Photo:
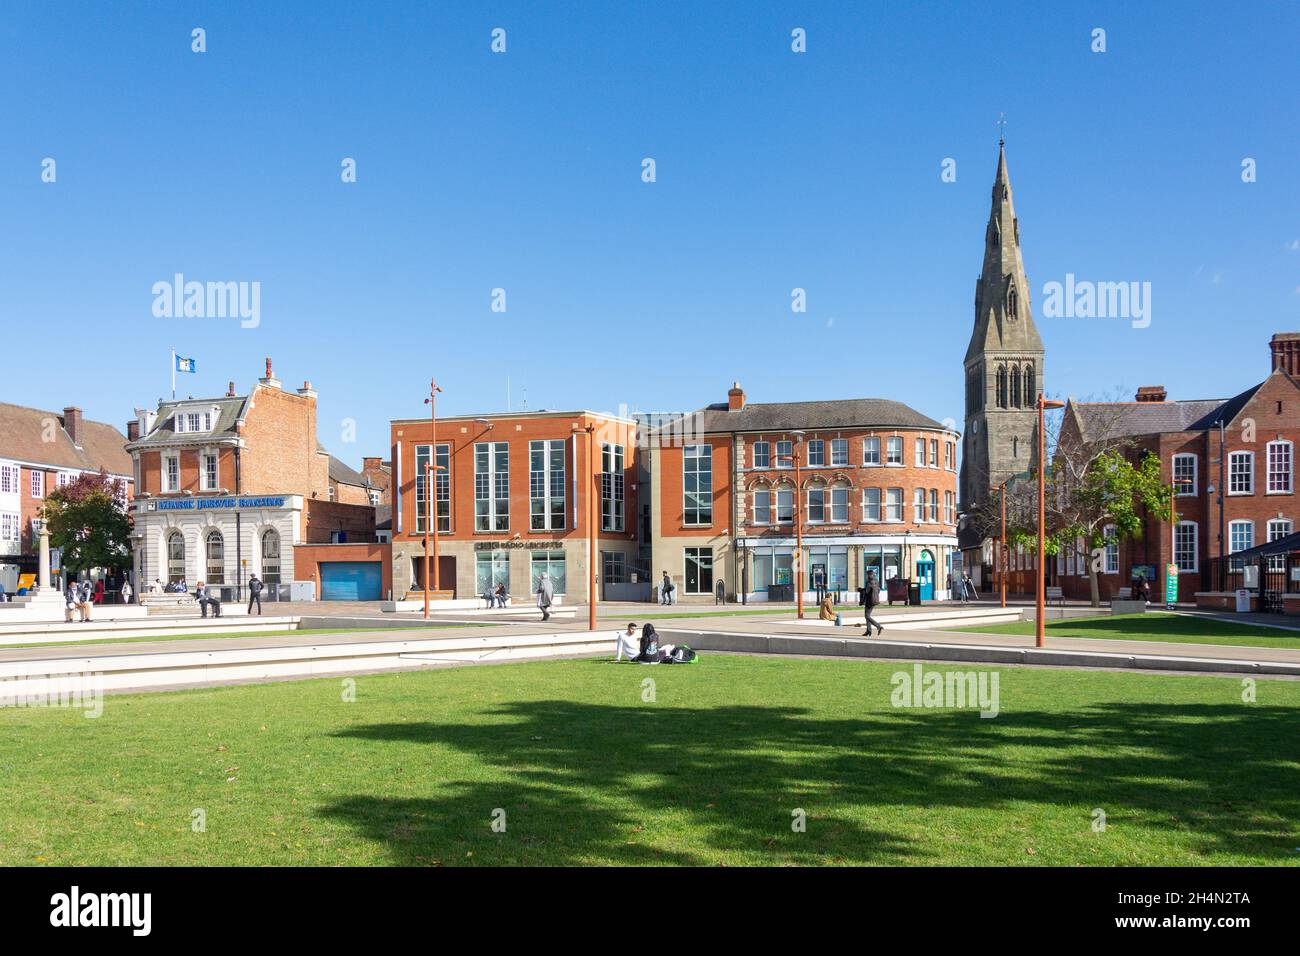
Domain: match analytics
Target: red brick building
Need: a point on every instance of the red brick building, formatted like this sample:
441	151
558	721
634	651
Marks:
39	452
1231	460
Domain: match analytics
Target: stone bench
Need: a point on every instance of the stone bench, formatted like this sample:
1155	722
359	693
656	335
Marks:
1122	606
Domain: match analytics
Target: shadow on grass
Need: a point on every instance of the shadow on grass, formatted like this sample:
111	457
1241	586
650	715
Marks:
1165	626
589	783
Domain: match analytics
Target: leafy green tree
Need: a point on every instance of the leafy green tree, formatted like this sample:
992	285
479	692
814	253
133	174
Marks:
88	524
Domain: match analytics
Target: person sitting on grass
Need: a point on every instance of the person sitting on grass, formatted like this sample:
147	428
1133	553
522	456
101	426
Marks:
626	643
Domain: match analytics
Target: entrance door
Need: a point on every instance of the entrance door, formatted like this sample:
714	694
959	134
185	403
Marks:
350	581
925	575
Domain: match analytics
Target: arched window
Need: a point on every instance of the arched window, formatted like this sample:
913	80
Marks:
1031	393
214	547
1011	302
270	557
175	557
1015	386
1002	386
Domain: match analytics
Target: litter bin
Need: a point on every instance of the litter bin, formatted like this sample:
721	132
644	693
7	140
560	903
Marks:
914	595
780	592
1243	601
896	589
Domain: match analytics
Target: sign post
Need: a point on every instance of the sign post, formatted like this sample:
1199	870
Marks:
1171	586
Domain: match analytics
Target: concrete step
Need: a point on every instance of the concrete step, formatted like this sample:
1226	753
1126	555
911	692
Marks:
156	626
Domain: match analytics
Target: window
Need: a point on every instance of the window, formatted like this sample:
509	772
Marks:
785	454
933	514
611	488
871	451
613	567
894	451
374	496
1015	386
699	571
552	562
1184	475
918	505
934	453
1031	389
66	478
171	474
840	505
214	548
947	455
175	557
920	453
839	451
209	471
37	484
762	507
9	479
1279	468
1278	528
10	527
441	484
1002	386
193	421
894	504
492	486
697	484
1111	557
270	557
784	505
817	504
1241	536
546	485
949	508
870	504
816	452
762	454
1185	546
490	569
1241	473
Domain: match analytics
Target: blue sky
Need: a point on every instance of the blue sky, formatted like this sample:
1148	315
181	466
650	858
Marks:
522	171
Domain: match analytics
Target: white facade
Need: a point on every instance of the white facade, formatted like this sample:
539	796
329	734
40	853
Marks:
229	532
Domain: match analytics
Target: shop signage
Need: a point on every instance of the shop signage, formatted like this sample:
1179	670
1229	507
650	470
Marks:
503	545
223	504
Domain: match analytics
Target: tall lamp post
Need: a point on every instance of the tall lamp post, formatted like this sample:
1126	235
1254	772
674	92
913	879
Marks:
798	518
431	495
592	554
1040	637
1002	544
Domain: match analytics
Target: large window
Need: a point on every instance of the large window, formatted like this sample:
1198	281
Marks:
546	485
840	504
784	505
817	504
1279	467
1111	556
870	504
762	507
9	475
699	570
11	524
785	454
441	484
697	484
871	451
762	454
932	513
611	488
175	557
894	504
490	569
894	451
1241	473
551	562
920	453
835	561
209	471
1185	475
614	567
171	473
214	548
918	505
1241	536
839	451
492	486
949	508
816	452
1185	547
884	561
38	483
270	557
1278	528
934	453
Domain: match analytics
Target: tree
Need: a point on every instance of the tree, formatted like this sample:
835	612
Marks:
88	524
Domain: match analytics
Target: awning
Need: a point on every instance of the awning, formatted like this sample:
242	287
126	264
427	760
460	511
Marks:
1283	545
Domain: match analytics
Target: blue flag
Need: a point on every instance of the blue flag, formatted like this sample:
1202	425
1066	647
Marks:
186	365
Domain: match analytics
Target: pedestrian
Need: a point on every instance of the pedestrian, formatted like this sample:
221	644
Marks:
254	594
666	590
501	595
71	598
870	598
126	591
545	595
959	588
968	586
86	594
626	644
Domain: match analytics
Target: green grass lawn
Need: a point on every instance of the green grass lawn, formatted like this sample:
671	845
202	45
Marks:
708	773
1153	626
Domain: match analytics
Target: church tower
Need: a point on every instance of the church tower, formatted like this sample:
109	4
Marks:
1004	361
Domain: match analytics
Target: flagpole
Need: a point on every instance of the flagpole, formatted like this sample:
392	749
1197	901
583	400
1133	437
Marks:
173	375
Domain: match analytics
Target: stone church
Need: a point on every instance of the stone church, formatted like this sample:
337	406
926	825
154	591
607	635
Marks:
1004	373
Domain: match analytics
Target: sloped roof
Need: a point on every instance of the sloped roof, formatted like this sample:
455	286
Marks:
229	410
343	474
786	416
22	430
1130	419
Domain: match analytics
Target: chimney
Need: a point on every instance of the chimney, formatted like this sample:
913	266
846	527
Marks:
230	390
1151	393
133	430
307	391
370	464
72	424
735	398
1285	348
270	381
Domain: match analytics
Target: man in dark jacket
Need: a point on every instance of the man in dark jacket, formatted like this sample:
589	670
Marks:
870	598
254	593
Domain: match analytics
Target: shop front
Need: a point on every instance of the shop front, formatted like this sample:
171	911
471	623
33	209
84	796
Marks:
840	565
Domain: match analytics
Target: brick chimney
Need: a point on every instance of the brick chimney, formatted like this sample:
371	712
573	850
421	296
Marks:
230	390
133	430
1151	393
735	397
370	464
72	424
269	380
1285	348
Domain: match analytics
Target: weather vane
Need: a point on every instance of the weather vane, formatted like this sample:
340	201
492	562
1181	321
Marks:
1002	128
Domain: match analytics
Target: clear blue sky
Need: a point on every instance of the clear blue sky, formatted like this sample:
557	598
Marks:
522	171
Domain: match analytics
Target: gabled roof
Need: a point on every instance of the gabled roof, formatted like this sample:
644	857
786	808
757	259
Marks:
1131	419
786	416
344	475
230	409
22	434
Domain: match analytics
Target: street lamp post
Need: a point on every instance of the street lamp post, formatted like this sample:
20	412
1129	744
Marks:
1040	636
798	520
1002	544
592	554
430	495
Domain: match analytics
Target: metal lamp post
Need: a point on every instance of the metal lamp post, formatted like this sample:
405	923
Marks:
430	495
1040	637
592	554
797	458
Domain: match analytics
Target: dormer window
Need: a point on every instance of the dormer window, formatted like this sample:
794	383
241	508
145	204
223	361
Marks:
193	421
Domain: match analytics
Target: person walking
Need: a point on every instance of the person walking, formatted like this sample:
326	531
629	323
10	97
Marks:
959	586
126	591
666	590
254	593
870	598
968	586
87	594
545	595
